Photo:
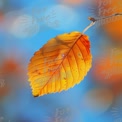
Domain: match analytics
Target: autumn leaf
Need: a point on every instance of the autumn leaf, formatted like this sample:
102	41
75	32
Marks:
60	64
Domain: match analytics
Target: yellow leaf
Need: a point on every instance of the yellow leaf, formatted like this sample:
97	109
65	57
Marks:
60	64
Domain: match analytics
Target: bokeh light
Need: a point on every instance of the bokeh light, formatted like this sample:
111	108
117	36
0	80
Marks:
107	69
71	2
24	26
64	18
97	101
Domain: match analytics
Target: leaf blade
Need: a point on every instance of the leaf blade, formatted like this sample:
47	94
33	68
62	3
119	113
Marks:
75	60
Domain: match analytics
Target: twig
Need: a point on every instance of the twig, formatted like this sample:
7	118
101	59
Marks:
95	20
91	24
117	14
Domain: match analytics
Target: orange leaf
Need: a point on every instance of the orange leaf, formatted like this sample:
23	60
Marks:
60	64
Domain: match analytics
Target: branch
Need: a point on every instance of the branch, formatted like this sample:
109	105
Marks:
95	20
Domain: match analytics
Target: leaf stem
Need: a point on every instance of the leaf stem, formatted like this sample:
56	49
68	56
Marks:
95	20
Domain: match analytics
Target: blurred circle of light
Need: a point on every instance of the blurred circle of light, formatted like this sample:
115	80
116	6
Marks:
62	18
24	26
71	2
1	3
108	68
12	73
116	110
1	17
97	101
